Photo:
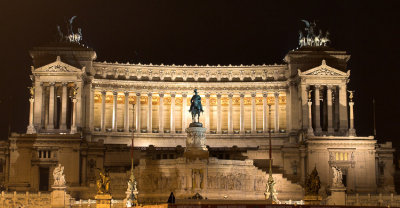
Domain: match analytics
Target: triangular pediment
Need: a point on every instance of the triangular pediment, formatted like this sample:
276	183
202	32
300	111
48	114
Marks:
57	67
324	71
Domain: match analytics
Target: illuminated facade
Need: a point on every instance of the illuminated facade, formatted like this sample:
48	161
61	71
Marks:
84	114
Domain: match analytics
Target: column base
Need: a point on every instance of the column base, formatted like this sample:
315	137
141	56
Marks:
352	132
331	131
30	130
49	127
318	131
74	130
63	127
310	132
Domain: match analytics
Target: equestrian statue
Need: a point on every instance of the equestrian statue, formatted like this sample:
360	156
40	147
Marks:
195	108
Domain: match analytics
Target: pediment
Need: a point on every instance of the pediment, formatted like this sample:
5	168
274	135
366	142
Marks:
57	67
324	71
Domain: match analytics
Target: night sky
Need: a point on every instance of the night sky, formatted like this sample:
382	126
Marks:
210	32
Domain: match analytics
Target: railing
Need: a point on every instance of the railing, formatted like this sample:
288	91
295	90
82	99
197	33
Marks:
32	200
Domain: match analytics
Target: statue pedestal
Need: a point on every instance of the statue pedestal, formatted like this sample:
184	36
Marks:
59	197
338	196
312	200
130	201
103	200
196	142
30	129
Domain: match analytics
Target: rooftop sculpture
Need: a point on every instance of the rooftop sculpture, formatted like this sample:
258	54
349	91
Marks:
71	36
311	38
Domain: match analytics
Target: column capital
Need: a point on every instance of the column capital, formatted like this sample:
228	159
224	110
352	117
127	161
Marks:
173	94
230	95
161	95
184	94
276	94
52	83
64	84
219	95
329	87
115	93
138	94
103	92
149	94
265	94
126	93
208	95
253	94
242	95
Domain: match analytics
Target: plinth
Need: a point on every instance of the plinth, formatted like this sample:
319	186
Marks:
59	196
103	200
196	141
312	200
338	195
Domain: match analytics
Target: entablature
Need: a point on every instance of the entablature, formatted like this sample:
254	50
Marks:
190	73
228	87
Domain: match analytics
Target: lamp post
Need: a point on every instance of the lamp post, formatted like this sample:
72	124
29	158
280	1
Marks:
270	192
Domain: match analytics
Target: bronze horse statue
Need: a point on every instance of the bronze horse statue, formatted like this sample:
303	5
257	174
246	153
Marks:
195	107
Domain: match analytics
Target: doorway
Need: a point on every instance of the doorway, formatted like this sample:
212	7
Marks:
44	179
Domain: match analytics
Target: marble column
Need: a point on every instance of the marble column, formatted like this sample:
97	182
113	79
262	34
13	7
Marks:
207	113
265	113
73	126
126	115
242	114
352	131
304	102
184	111
150	113
343	109
172	114
219	114
137	119
114	118
317	114
63	125
276	112
50	124
103	111
38	105
310	130
253	113
161	114
230	114
329	100
31	129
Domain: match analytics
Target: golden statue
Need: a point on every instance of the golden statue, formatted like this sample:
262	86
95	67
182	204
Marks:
74	91
32	91
351	95
103	182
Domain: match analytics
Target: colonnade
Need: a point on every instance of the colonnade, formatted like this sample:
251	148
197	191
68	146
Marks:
326	109
51	115
267	123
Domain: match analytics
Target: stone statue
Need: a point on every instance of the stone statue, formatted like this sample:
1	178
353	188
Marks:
32	91
195	107
313	183
103	183
59	177
351	95
337	176
309	95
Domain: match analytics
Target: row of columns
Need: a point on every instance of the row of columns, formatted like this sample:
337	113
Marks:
51	108
340	109
266	123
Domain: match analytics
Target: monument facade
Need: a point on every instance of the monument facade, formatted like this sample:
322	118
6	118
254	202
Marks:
84	113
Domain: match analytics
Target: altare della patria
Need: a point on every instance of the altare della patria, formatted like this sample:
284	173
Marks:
104	134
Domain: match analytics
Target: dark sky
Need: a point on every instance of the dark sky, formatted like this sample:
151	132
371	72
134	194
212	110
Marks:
210	32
